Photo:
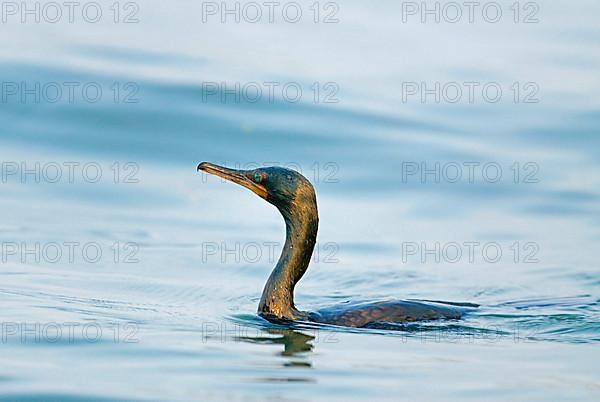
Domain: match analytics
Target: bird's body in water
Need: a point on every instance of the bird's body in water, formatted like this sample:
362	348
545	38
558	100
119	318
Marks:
295	198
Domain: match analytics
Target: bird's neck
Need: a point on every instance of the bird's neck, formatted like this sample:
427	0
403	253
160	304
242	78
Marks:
277	299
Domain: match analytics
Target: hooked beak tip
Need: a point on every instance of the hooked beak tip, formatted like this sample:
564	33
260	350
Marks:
235	176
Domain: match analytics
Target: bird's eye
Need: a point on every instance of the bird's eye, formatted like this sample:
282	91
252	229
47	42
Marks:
257	178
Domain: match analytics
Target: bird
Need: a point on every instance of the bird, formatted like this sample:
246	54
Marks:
295	198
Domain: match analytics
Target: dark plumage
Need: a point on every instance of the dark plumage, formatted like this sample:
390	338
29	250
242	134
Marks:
294	197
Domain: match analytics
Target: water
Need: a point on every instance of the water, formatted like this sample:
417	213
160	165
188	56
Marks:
166	312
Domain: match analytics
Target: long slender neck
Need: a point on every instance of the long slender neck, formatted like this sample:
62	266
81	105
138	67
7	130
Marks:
301	223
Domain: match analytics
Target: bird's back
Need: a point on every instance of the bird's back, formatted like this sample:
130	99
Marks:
397	311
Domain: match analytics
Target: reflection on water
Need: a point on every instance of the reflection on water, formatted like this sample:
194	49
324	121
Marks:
183	302
293	342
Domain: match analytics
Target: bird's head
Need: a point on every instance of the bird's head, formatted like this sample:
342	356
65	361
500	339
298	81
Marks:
284	188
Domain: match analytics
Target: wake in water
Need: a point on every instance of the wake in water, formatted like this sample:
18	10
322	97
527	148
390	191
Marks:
562	319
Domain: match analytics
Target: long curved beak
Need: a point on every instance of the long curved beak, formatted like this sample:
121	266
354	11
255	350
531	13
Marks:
236	176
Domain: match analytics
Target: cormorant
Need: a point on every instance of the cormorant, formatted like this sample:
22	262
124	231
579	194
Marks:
294	197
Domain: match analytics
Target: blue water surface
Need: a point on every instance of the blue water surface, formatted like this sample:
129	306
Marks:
166	311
